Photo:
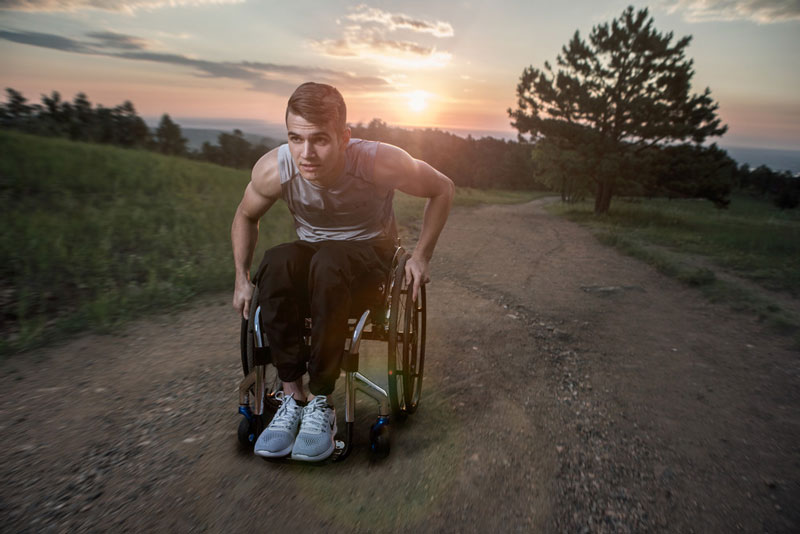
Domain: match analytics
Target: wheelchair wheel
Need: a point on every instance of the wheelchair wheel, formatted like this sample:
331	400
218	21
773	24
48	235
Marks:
406	345
414	350
248	345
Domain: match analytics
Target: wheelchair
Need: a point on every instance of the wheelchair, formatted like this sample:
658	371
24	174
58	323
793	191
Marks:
390	316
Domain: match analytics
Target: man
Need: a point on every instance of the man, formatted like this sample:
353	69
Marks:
340	192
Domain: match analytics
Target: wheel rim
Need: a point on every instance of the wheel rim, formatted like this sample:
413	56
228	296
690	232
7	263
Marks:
396	370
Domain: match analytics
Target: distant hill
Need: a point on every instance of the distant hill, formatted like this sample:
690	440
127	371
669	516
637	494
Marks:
197	136
777	160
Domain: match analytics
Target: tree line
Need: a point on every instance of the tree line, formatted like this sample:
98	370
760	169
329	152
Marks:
781	188
480	163
79	120
560	155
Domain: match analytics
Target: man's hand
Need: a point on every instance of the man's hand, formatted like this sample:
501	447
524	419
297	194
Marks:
242	295
417	273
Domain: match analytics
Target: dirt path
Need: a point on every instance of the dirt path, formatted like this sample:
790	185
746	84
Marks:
568	389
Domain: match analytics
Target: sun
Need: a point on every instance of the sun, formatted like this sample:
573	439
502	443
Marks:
418	101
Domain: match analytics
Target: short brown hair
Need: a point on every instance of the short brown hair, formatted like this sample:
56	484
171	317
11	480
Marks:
318	103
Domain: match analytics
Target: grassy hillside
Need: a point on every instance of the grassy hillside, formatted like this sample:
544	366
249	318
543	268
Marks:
93	235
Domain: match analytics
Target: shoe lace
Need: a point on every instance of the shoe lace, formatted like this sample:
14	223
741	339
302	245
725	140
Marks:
286	413
315	417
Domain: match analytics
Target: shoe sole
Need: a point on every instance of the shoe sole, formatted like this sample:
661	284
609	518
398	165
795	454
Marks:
323	456
275	454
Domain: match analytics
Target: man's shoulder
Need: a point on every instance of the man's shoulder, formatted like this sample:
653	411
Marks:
266	173
360	158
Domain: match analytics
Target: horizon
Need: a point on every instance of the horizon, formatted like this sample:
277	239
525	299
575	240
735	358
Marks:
421	65
777	159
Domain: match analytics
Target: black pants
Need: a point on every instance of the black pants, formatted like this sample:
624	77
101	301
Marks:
304	279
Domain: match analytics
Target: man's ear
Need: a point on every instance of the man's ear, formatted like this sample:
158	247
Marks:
345	137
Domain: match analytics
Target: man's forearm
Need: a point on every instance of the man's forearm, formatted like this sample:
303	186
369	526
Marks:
244	236
435	216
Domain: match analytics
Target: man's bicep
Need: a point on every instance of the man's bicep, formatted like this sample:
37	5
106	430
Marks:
255	203
263	190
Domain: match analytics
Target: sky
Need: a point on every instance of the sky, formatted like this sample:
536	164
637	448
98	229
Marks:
452	65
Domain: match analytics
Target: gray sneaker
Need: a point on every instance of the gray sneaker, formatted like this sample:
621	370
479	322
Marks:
278	438
315	441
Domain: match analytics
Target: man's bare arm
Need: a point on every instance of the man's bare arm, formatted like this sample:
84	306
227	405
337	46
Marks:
395	168
259	196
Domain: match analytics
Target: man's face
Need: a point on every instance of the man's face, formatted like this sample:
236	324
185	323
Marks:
317	149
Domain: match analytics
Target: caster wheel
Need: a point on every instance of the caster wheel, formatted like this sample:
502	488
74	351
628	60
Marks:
248	432
379	439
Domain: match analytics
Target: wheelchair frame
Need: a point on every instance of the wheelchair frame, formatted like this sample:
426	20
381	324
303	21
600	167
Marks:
397	321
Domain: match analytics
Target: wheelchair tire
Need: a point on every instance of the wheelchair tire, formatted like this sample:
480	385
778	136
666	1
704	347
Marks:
247	341
406	345
414	351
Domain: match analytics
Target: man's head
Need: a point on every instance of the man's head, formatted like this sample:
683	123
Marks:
319	104
317	129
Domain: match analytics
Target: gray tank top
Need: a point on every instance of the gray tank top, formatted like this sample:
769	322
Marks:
354	208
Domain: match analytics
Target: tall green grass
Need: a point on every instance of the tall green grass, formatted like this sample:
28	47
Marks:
94	235
693	241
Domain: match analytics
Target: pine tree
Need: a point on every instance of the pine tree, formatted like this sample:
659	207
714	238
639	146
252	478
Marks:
626	90
169	138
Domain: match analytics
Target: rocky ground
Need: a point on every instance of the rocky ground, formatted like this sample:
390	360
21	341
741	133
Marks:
567	389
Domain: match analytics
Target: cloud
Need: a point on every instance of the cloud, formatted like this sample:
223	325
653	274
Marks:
45	40
370	36
118	40
361	44
126	6
395	21
761	11
264	77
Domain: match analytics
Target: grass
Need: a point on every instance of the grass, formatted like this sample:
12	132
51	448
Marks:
709	248
96	235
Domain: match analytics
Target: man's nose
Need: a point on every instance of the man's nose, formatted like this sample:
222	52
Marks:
308	149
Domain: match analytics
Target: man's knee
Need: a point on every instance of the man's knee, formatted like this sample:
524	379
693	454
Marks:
283	254
283	260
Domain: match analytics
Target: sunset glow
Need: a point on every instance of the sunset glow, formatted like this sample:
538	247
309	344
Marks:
418	101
